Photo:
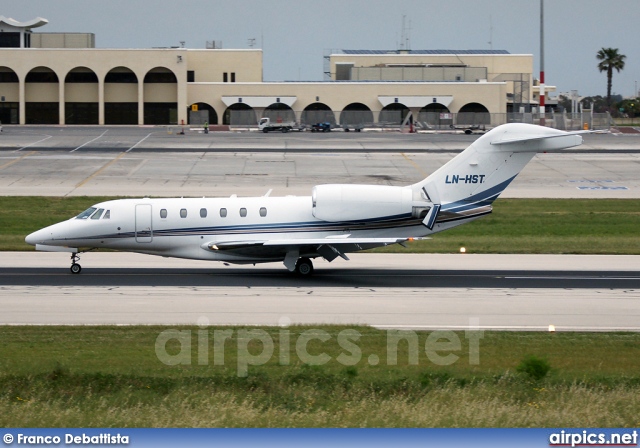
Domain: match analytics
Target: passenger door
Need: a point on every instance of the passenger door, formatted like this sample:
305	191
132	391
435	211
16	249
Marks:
144	229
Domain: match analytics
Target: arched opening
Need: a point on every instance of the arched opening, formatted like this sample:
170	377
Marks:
473	113
10	104
204	113
318	113
160	96
356	114
435	114
279	113
239	114
121	96
81	96
394	114
42	97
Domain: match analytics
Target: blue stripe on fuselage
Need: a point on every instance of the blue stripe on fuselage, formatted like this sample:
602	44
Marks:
483	198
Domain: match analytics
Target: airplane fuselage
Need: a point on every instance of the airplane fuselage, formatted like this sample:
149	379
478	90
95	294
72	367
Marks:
192	227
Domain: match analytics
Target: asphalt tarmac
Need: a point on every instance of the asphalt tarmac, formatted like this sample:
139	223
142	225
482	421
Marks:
573	293
139	161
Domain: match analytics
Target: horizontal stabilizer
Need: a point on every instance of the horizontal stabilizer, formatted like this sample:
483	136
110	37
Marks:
534	143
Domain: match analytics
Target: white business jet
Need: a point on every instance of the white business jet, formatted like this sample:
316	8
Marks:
335	220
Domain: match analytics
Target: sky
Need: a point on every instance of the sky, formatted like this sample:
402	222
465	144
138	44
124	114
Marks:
294	35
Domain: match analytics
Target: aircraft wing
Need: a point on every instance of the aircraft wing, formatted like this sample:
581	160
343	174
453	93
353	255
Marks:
329	248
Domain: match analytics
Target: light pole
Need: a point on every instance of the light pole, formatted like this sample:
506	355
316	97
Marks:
542	93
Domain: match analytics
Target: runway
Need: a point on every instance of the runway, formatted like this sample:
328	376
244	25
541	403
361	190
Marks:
503	292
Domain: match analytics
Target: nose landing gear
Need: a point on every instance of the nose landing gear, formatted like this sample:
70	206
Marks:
75	267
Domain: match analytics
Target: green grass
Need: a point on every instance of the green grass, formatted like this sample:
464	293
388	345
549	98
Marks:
111	376
545	226
589	226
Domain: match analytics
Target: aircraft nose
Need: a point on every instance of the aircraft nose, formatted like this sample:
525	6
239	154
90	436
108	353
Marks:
46	235
36	237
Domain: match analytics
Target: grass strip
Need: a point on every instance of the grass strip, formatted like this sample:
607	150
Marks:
113	377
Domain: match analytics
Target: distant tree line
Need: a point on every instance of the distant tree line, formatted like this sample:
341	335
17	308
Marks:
610	60
620	108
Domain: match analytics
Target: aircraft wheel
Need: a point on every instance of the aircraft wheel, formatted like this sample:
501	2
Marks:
304	267
75	268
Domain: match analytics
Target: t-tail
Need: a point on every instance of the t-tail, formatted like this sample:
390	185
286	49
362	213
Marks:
468	184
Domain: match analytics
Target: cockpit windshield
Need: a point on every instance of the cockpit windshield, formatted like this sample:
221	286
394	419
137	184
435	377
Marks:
85	214
97	214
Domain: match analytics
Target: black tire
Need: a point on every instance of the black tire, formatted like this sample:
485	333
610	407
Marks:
304	267
265	130
285	130
468	131
75	268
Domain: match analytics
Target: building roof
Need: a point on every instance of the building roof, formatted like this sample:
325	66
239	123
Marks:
414	52
33	23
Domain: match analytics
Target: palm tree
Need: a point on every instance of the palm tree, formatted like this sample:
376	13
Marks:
610	59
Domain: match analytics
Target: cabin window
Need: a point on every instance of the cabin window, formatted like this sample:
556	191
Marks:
163	213
223	212
107	215
263	211
97	214
203	212
183	212
85	214
243	212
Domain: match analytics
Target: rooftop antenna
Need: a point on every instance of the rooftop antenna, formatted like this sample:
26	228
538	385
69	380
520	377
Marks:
405	39
490	32
182	42
252	42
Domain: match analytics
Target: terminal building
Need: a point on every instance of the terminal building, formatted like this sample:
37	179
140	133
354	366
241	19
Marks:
61	78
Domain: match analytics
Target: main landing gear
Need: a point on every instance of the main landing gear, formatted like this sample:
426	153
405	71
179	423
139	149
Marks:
75	267
304	267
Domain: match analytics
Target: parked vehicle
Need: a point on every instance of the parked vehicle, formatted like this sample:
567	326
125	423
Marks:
265	125
321	127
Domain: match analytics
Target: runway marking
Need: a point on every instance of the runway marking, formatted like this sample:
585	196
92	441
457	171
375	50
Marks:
533	277
415	165
35	143
90	141
558	328
104	167
148	135
8	164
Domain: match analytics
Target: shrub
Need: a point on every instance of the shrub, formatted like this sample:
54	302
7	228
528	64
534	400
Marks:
536	368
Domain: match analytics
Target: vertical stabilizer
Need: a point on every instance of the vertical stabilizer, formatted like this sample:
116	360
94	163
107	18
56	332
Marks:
477	176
